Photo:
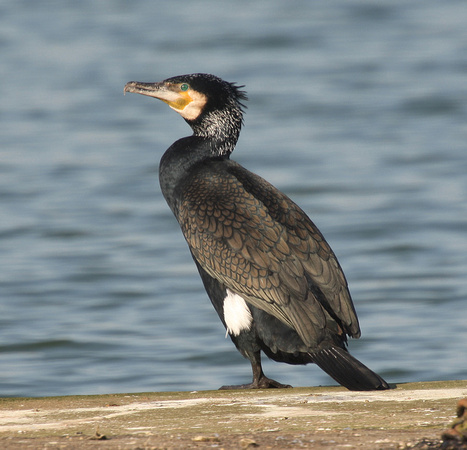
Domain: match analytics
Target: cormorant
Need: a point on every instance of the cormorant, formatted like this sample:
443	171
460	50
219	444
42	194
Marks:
271	276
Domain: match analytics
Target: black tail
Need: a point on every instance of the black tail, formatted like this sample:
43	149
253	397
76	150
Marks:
347	370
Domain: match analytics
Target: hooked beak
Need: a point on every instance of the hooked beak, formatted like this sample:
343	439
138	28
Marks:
167	92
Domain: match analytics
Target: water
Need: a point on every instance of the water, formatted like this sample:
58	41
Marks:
357	111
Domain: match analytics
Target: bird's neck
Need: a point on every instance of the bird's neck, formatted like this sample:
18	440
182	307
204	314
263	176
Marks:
180	159
215	134
220	129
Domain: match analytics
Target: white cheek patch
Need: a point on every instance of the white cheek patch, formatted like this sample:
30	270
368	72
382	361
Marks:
237	315
193	109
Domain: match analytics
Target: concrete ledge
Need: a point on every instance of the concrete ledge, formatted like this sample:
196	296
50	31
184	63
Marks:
330	417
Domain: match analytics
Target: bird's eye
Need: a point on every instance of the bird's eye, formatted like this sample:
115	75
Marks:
184	87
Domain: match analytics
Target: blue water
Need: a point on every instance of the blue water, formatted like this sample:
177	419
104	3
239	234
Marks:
357	111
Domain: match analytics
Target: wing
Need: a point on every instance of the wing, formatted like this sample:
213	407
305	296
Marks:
255	240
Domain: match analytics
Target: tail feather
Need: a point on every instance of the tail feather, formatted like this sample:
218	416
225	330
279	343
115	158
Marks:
347	370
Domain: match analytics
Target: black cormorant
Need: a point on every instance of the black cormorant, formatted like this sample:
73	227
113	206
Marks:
272	278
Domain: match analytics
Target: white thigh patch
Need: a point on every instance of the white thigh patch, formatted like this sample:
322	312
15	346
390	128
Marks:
237	315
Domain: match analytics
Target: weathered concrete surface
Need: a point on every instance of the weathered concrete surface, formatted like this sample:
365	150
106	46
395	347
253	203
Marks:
324	417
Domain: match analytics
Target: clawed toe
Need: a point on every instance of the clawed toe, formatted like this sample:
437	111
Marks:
263	383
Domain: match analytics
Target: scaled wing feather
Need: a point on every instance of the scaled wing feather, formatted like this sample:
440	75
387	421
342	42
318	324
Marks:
263	247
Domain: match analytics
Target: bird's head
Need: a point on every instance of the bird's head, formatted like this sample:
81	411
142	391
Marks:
211	106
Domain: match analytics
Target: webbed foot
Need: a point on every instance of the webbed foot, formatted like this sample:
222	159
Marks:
262	383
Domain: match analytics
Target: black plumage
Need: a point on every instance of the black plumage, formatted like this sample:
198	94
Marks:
271	276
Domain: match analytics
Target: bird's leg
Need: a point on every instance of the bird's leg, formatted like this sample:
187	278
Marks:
260	381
